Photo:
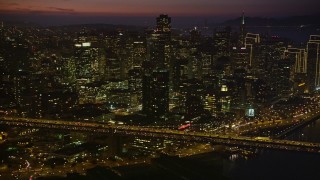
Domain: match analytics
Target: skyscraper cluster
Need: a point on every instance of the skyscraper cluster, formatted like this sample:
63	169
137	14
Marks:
155	71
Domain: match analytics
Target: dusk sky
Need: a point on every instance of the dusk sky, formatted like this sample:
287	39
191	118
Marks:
198	8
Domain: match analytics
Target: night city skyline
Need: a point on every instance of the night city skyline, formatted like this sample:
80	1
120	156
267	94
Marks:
140	12
144	89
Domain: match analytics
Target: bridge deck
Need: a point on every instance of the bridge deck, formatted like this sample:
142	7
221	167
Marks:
164	133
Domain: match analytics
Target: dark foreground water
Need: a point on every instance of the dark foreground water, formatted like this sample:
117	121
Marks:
269	164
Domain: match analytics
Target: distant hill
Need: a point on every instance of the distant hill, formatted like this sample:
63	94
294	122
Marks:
20	24
105	26
310	20
74	26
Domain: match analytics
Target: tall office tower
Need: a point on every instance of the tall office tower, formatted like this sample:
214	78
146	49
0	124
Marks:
222	38
6	89
249	80
17	55
299	56
238	92
242	33
146	93
251	44
195	36
313	64
282	69
88	56
159	43
155	100
156	50
261	91
270	51
206	66
113	66
194	105
24	91
137	53
195	66
164	23
21	81
135	79
240	58
86	61
135	85
224	98
68	69
210	103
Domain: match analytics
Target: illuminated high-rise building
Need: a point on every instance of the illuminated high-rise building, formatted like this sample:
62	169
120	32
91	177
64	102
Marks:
155	93
86	60
159	43
21	87
135	79
238	92
222	38
88	56
299	56
194	105
206	66
195	36
283	71
313	64
137	53
156	50
113	66
251	42
180	70
224	98
210	103
164	23
269	52
240	58
242	34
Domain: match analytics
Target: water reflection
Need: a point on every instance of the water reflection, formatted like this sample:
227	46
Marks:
309	133
270	164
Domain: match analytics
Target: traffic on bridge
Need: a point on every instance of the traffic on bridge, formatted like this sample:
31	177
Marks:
126	130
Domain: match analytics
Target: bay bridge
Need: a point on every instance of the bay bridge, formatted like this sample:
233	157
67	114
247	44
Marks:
149	132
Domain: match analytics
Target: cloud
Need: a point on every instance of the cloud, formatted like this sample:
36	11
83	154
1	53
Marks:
8	4
52	11
23	9
61	9
29	11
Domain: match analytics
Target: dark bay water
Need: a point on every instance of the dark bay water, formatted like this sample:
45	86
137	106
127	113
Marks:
270	164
